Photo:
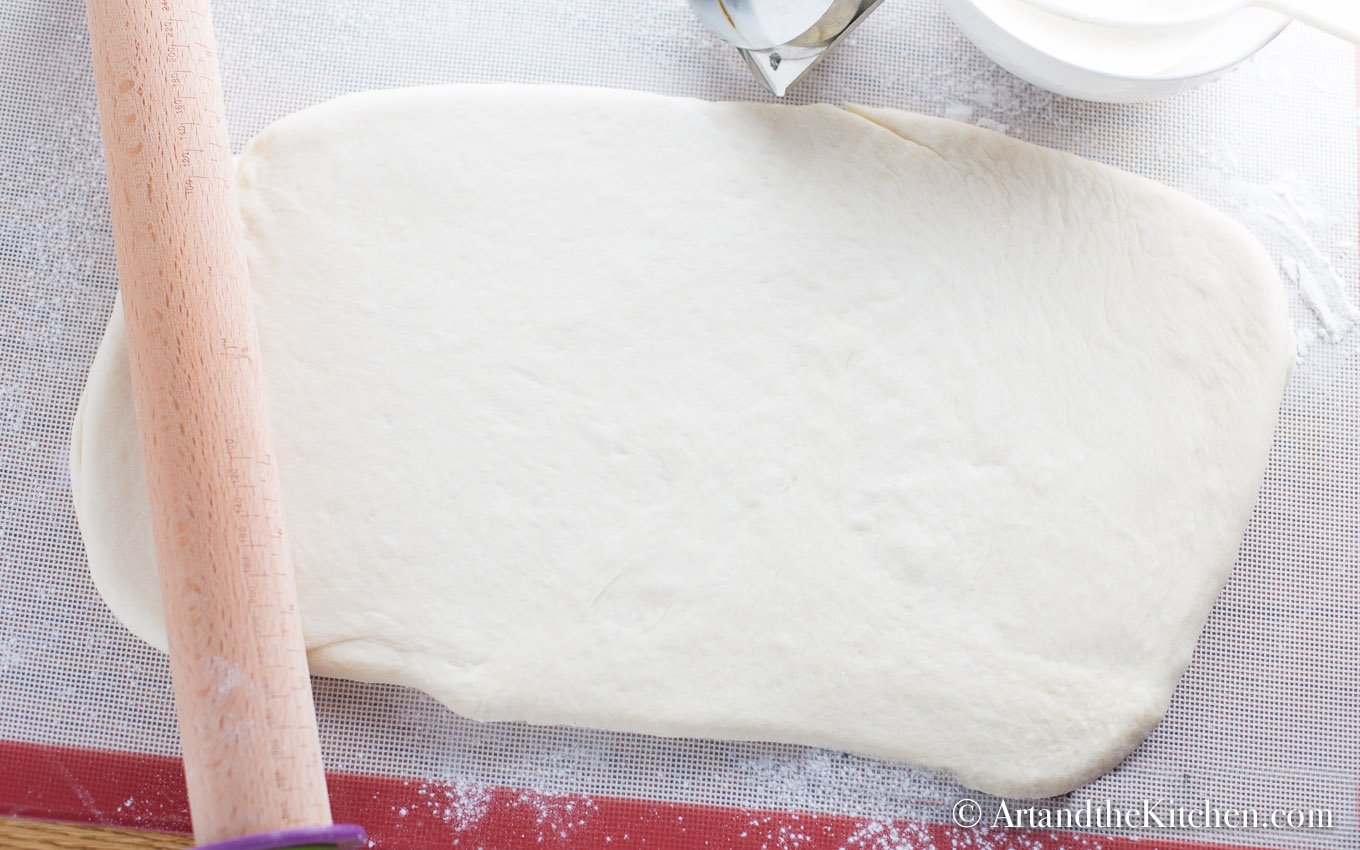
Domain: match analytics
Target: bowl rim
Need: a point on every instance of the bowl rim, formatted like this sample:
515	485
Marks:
1163	77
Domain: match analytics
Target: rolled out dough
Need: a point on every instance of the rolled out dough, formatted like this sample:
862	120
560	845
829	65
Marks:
844	427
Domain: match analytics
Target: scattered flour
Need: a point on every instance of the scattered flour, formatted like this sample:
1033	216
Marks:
959	112
460	804
1285	217
558	814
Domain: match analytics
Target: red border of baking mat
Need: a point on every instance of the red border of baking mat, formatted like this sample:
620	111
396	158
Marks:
147	792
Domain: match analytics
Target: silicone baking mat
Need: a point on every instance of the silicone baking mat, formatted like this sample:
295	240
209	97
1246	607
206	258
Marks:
1265	720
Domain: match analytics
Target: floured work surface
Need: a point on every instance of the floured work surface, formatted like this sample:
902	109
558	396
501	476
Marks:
1263	717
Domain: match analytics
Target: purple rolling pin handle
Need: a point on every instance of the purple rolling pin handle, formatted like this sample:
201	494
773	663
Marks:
340	837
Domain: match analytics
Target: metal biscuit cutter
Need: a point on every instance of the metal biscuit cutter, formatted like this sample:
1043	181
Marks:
781	40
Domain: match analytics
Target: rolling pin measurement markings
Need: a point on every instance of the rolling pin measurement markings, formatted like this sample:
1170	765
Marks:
234	352
255	529
197	118
184	48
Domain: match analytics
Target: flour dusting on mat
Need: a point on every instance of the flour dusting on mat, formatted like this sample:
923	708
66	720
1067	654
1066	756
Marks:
558	814
1285	216
891	835
460	803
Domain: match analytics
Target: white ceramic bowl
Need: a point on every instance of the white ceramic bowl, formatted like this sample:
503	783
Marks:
1104	63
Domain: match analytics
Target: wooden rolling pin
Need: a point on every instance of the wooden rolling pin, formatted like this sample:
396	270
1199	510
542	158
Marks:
252	758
